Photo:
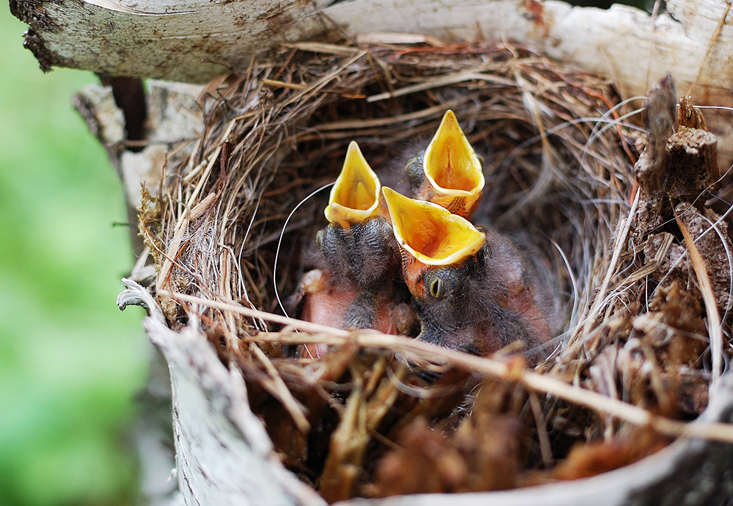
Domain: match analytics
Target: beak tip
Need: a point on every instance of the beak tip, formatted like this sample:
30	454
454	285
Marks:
355	194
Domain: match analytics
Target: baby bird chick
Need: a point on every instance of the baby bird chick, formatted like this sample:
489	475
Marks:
448	172
471	287
358	258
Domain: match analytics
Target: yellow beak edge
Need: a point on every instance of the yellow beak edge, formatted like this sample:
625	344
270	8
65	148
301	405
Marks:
355	194
453	169
430	233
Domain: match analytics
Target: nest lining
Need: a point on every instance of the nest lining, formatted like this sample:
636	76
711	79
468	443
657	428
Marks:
560	180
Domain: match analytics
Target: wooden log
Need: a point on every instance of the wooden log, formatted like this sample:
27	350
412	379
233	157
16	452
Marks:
175	119
194	40
224	456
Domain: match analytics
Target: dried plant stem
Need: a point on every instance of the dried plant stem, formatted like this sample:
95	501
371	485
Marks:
354	124
320	83
459	77
189	215
711	308
282	84
254	313
542	435
624	226
505	370
293	407
319	47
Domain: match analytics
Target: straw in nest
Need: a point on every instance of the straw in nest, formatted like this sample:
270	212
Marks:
630	268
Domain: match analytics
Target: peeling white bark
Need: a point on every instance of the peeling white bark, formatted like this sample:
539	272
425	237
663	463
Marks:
224	455
174	121
193	40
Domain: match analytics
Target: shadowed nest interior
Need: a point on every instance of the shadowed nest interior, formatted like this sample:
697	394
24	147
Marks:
384	415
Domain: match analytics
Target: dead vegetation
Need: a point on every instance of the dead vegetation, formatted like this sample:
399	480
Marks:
640	273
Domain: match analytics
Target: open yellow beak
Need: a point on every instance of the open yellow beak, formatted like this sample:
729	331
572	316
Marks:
453	169
355	195
430	233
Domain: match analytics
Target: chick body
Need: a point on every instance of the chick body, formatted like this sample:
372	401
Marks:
482	303
358	260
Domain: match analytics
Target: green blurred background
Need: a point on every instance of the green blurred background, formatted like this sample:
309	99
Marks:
70	361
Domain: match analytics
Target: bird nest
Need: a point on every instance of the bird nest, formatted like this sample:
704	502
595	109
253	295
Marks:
639	275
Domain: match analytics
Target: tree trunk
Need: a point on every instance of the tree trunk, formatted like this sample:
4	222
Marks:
194	40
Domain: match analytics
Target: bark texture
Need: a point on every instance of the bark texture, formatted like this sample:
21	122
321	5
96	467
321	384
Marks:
195	40
224	456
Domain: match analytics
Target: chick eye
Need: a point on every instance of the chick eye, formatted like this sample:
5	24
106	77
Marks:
437	289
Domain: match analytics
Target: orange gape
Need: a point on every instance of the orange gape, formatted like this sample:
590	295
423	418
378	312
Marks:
448	173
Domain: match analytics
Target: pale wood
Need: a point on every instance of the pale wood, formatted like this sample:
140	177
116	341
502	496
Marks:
193	40
224	455
174	123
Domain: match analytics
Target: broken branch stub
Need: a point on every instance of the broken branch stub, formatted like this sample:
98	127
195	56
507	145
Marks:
676	166
651	167
693	167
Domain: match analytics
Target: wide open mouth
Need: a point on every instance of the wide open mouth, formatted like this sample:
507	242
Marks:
451	165
432	234
355	195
